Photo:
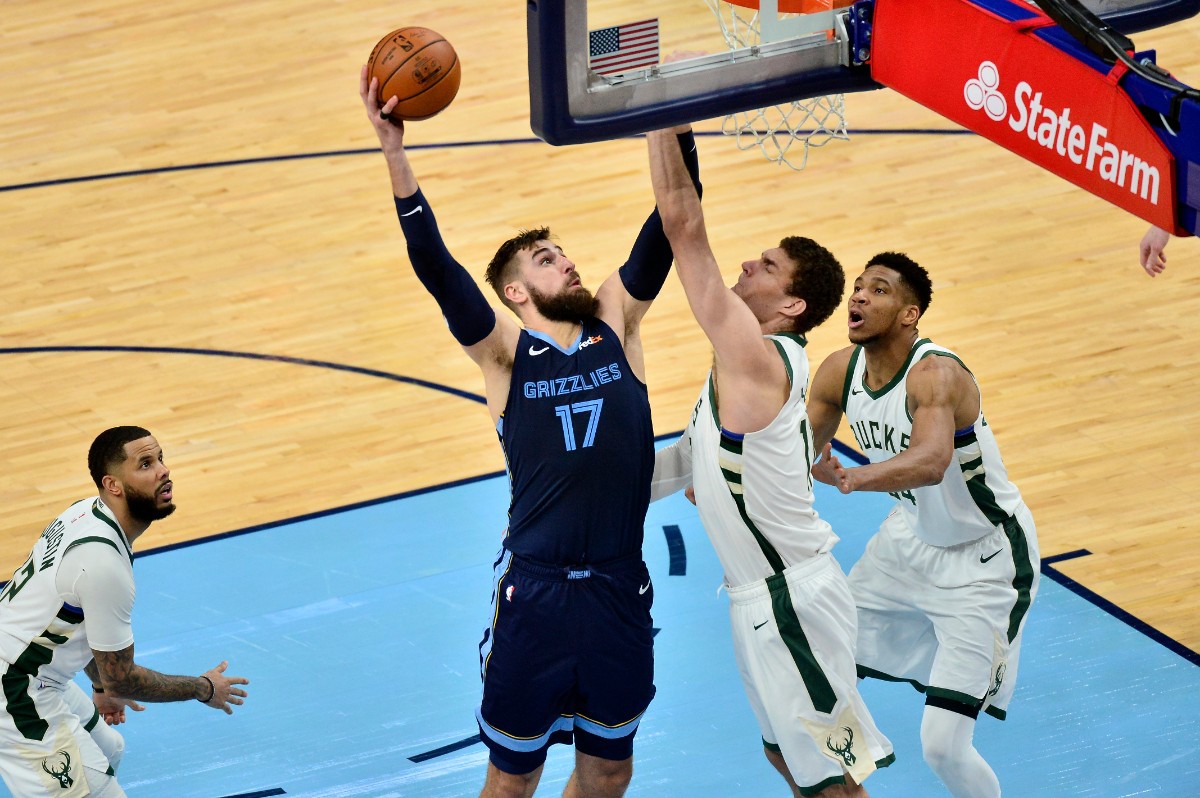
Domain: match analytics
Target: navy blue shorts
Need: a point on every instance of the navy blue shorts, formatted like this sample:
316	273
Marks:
568	658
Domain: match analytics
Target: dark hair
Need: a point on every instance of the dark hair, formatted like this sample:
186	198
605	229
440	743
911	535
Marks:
819	280
499	270
108	450
912	275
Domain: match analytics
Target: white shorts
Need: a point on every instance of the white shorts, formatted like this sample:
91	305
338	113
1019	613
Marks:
947	619
794	641
53	765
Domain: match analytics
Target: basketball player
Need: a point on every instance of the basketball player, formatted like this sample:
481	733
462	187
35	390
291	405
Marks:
68	608
790	608
568	656
944	586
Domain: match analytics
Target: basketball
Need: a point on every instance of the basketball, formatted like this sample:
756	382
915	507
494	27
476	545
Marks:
418	66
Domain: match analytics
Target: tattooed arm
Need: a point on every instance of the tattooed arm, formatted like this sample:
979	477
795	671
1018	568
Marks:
123	677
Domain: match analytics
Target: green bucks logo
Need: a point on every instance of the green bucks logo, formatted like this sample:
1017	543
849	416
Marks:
59	766
842	748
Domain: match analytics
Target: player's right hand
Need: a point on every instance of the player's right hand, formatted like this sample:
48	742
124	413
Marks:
389	129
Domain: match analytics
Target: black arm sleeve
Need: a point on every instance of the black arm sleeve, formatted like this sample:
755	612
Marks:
650	259
467	312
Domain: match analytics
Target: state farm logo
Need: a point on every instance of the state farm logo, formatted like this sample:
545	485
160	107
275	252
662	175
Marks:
1084	144
982	92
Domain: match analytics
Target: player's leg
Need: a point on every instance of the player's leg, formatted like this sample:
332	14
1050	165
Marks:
973	599
595	777
500	784
44	750
794	640
775	757
106	737
610	613
102	785
947	742
528	678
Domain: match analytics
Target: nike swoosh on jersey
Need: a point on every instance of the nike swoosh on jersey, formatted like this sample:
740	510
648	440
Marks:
643	588
536	352
417	209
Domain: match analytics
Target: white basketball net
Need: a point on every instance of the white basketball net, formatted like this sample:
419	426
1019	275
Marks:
783	133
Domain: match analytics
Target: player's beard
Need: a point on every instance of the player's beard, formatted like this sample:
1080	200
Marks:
572	304
145	508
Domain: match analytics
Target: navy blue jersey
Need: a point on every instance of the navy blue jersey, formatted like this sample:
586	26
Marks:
579	444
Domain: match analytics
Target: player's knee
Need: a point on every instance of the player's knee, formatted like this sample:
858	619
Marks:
945	738
116	752
101	785
110	742
603	777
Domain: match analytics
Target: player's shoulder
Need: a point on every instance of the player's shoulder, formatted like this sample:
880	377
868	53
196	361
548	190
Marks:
837	362
89	526
940	363
939	373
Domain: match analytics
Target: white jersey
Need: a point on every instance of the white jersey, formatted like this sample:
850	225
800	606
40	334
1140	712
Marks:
975	495
753	491
75	593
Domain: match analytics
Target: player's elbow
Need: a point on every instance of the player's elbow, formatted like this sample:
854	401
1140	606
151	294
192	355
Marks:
932	470
677	222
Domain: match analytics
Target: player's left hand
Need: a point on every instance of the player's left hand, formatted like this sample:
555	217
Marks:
112	708
1151	250
829	469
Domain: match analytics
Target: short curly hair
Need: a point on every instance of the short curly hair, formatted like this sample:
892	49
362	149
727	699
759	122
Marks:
819	280
503	264
912	275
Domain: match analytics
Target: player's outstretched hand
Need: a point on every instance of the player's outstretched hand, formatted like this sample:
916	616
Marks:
829	469
1151	250
224	691
389	129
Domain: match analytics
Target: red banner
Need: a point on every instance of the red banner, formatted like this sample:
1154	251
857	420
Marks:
995	77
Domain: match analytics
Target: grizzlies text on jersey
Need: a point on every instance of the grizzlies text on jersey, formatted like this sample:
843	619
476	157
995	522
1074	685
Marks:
579	491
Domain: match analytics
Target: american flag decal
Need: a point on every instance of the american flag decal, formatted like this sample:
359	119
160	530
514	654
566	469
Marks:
624	47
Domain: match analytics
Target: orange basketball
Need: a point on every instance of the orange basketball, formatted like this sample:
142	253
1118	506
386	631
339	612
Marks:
418	66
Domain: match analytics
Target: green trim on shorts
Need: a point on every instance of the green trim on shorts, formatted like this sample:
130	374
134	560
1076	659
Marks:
821	785
91	724
968	701
1018	540
820	691
772	747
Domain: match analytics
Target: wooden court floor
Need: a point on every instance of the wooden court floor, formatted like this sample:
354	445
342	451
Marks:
258	313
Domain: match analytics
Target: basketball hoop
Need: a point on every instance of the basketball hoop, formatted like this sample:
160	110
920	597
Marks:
774	130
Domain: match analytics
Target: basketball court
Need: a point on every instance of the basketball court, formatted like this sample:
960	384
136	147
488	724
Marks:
359	627
217	258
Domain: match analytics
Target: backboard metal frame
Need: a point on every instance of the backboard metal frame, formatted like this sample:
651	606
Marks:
571	105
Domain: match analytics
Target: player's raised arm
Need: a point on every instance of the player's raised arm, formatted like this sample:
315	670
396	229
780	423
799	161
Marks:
728	322
630	290
488	339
